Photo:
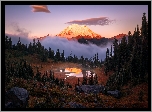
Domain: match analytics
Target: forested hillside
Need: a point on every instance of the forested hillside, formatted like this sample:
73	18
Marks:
130	59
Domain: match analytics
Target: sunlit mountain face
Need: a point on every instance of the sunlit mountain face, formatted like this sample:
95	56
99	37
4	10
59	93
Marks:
78	31
119	36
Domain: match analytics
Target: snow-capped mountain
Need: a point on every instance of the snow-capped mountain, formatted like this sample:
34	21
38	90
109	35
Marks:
78	31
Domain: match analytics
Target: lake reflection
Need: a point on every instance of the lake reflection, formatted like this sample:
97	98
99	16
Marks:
75	72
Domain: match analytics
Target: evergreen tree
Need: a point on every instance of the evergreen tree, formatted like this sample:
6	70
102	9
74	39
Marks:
6	42
62	56
130	59
144	31
44	78
91	79
95	60
57	81
30	50
38	47
111	52
82	59
84	82
19	45
78	81
38	76
144	47
95	79
10	44
57	56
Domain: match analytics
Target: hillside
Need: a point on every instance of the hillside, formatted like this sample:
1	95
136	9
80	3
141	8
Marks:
130	98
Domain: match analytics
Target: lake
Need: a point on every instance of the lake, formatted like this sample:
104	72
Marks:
76	72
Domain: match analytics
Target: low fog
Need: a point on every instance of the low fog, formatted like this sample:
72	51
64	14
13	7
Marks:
69	47
75	48
23	39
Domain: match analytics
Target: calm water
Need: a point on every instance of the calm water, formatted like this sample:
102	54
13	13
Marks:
75	72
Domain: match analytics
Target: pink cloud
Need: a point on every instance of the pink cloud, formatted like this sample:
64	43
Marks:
40	8
92	21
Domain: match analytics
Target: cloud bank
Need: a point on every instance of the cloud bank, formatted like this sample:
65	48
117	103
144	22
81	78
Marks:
93	21
69	47
87	51
40	8
15	38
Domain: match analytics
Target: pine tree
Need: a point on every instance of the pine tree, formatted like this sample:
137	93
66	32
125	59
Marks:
38	47
30	49
57	81
95	79
19	44
111	52
82	59
38	76
144	31
6	42
10	44
138	32
34	46
84	82
30	72
78	81
95	60
62	56
44	78
130	42
107	61
116	61
131	59
57	56
91	79
144	34
53	76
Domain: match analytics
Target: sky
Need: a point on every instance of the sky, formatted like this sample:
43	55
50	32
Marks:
40	20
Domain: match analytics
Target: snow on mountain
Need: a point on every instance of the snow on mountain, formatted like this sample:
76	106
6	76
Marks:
78	31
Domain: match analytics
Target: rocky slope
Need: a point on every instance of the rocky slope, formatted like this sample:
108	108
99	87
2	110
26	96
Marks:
120	36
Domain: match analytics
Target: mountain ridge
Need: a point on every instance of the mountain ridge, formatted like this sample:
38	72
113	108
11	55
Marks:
76	32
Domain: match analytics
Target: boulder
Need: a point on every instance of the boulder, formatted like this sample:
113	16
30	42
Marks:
75	105
115	93
16	98
90	88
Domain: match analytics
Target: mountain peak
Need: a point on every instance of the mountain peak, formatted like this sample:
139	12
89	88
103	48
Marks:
78	31
119	36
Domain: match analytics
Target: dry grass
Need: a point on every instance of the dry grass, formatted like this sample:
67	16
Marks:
129	100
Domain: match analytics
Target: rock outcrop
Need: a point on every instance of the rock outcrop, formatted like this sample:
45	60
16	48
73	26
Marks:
90	88
116	93
16	98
